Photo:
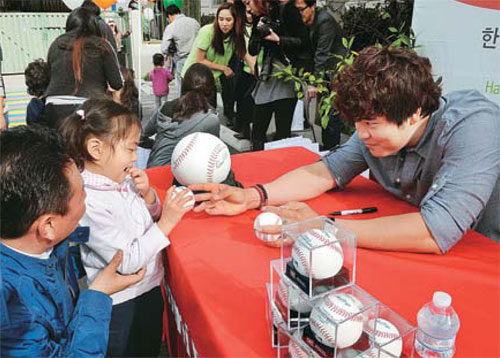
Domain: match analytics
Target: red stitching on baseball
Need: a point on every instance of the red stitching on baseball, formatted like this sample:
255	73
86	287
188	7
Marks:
283	293
185	152
325	241
326	335
380	334
298	350
303	260
212	160
341	312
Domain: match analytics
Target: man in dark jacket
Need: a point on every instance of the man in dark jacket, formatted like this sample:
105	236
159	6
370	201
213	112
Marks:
326	39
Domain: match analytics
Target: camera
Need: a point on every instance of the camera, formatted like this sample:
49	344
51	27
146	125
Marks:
265	25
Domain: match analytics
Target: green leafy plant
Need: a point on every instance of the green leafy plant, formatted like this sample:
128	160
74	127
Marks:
302	80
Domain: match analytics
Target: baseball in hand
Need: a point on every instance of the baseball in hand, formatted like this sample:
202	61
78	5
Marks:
180	189
335	320
200	158
383	331
317	254
266	219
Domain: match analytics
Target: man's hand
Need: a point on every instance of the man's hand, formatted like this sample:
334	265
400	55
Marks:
109	281
222	199
228	72
141	182
292	211
312	92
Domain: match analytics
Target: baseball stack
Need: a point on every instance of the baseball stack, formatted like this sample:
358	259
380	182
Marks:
315	308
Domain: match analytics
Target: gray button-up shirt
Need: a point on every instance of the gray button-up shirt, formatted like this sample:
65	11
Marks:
452	173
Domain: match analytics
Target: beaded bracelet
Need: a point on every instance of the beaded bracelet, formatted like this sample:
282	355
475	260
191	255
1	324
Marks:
262	194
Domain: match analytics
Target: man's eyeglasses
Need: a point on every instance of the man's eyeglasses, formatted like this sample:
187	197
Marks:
301	9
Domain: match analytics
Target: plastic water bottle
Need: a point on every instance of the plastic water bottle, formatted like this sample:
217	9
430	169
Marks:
438	325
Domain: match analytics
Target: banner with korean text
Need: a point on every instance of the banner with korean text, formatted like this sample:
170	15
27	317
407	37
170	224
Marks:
462	40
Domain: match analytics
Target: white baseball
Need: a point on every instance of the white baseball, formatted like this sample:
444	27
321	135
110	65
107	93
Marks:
385	332
326	260
178	190
327	315
296	351
266	219
291	299
200	158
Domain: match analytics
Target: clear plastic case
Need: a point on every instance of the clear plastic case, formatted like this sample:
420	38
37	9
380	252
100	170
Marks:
319	255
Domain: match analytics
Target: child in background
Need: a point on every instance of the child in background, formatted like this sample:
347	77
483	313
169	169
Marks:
36	77
161	77
121	209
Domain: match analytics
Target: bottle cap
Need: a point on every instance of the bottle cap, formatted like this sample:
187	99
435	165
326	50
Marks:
441	299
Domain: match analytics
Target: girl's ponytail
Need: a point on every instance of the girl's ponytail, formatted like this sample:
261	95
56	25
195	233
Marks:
73	131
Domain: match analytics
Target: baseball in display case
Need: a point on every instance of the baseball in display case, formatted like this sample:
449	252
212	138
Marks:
293	305
380	334
321	253
337	324
274	320
391	336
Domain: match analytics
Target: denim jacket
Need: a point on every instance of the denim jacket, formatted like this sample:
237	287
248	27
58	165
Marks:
37	314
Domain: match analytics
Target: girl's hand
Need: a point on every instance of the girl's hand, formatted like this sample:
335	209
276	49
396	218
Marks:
174	209
141	182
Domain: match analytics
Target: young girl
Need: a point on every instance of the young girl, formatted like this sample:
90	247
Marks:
161	77
121	209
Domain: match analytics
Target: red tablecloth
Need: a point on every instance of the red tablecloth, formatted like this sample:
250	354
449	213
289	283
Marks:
217	269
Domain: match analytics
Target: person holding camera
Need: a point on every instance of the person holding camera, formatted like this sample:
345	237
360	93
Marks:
280	33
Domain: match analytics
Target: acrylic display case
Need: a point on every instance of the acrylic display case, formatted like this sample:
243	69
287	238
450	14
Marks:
320	255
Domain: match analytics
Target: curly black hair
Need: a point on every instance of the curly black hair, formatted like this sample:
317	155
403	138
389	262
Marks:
386	81
36	77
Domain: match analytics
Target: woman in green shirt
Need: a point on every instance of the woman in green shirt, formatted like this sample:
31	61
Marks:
216	43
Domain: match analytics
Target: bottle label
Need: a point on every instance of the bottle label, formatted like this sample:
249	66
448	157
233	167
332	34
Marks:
429	346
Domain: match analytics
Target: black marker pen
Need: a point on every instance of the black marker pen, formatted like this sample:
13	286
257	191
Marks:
355	211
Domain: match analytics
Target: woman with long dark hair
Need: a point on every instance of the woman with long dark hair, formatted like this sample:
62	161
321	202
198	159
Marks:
216	43
82	64
192	112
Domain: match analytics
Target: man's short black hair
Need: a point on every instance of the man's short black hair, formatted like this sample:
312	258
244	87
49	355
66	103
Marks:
172	10
33	178
158	59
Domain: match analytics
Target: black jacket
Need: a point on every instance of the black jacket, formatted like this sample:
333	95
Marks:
294	47
326	39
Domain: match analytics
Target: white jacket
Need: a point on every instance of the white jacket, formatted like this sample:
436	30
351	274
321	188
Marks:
119	218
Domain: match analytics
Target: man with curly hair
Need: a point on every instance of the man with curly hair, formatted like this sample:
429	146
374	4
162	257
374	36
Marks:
439	153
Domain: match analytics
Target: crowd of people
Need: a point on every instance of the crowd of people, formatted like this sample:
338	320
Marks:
74	164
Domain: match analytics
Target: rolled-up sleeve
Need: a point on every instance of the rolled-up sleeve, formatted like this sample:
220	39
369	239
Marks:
347	161
466	179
